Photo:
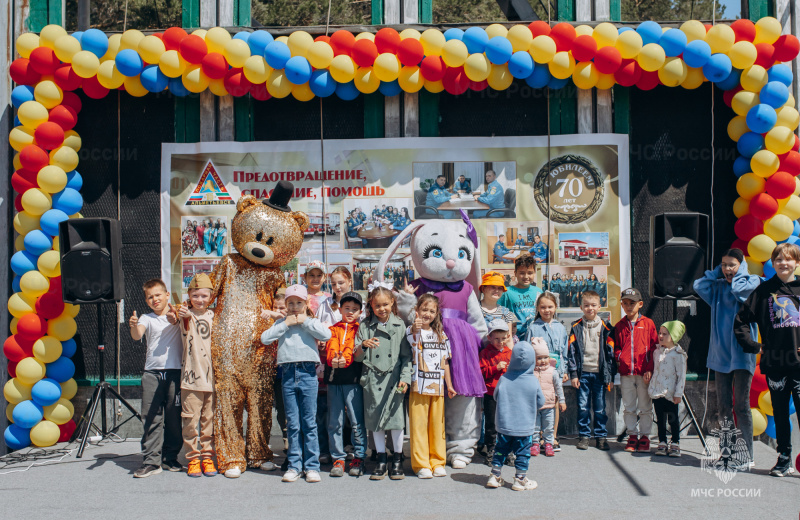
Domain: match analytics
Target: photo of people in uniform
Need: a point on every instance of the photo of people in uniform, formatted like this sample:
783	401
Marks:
569	283
508	240
204	236
398	272
375	223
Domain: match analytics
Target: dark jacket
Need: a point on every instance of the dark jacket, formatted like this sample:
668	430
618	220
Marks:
607	366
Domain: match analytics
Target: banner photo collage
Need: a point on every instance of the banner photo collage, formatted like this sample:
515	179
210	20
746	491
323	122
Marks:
573	216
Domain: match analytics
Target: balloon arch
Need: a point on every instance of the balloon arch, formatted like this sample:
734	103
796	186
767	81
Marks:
743	58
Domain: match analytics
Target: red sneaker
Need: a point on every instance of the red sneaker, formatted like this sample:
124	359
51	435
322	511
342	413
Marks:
644	444
548	450
633	442
535	449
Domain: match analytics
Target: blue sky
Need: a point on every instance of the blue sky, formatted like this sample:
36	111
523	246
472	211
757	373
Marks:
592	239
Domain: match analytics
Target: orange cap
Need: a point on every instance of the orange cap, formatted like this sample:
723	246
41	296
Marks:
493	278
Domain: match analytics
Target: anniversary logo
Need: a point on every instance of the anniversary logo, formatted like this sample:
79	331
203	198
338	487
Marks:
572	188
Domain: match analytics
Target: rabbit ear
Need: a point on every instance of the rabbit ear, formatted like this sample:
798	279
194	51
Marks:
389	253
474	277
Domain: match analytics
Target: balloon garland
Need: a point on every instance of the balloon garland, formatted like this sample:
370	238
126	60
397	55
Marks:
744	58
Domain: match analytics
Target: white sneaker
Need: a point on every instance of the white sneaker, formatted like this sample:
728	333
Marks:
312	476
233	473
495	481
459	464
290	476
524	484
439	471
424	473
268	466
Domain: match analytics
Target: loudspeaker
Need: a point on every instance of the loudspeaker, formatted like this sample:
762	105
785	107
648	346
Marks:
678	253
91	270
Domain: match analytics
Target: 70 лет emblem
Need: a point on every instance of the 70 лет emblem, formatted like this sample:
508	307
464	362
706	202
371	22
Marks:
571	191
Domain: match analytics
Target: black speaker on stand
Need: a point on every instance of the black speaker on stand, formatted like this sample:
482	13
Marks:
91	273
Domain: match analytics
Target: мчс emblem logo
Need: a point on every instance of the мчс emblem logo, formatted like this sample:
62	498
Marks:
571	191
210	190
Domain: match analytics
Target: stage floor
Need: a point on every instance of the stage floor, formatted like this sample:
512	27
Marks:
574	484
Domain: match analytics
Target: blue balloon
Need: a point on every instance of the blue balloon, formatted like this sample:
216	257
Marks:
770	431
796	231
475	38
37	242
453	34
732	81
277	54
27	414
17	438
696	53
298	70
791	407
129	63
74	180
556	84
347	91
17	122
242	35
780	72
22	262
322	83
153	79
50	220
68	348
769	271
750	143
62	369
21	94
774	94
540	76
390	88
793	240
68	200
177	87
717	68
15	284
650	32
520	65
761	118
498	50
46	392
78	35
258	41
624	29
95	41
673	42
741	166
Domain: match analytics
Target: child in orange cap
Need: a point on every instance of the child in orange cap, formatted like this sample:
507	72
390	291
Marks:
492	287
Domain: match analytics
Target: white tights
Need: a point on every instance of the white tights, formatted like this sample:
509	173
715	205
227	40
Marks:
380	440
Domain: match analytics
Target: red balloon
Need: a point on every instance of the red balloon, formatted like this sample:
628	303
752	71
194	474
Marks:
44	60
564	35
172	38
796	145
539	28
28	175
708	26
160	36
787	48
323	38
12	368
17	349
214	65
342	42
648	81
727	96
55	285
410	52
260	92
739	244
759	383
193	48
67	429
33	158
66	78
628	73
763	206
72	100
31	327
364	53
765	55
22	73
63	116
744	30
584	47
49	135
236	83
93	88
21	184
607	60
387	40
790	162
455	81
18	203
50	305
432	68
780	184
477	86
747	227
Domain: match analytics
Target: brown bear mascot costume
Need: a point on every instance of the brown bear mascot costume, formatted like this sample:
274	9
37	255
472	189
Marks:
266	235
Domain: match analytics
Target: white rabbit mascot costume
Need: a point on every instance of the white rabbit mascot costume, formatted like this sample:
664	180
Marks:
445	256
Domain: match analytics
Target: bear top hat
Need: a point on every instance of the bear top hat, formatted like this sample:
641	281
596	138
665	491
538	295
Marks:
281	196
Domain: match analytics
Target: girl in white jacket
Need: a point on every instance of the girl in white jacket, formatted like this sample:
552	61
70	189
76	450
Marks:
666	385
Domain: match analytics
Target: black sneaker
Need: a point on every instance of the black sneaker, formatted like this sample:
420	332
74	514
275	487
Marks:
147	470
602	444
356	468
783	467
172	465
285	465
583	443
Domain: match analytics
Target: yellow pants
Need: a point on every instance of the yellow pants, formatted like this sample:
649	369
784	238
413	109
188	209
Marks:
197	408
426	417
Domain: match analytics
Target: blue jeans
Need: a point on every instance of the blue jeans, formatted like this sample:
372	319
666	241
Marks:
592	397
545	422
519	446
300	400
346	399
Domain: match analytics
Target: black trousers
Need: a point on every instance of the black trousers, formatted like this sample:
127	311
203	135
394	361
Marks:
783	387
667	413
489	408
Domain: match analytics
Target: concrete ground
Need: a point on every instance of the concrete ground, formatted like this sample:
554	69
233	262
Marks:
573	484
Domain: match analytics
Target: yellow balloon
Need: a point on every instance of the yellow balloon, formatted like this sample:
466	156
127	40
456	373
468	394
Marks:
788	117
342	68
299	42
109	76
410	33
754	78
434	87
320	55
542	50
673	73
134	87
19	243
499	77
764	163
651	57
519	36
302	92
62	328
172	64
56	244
19	137
694	30
759	421
216	38
256	70
432	41
765	402
151	48
26	43
114	42
36	201
779	227
743	54
477	67
48	94
694	78
366	81
411	80
195	80
47	349
606	81
760	248
743	101
25	222
15	391
779	140
790	207
753	267
629	44
582	30
741	207
768	30
65	158
562	66
69	388
236	52
360	36
790	102
85	64
199	32
749	185
720	38
454	52
66	47
72	140
797	186
49	264
10	412
605	34
16	162
493	30
72	309
49	34
34	284
45	434
285	39
32	114
217	86
30	370
60	412
387	67
585	75
278	85
131	39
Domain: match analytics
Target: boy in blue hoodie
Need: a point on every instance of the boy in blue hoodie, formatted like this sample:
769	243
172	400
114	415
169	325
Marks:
519	398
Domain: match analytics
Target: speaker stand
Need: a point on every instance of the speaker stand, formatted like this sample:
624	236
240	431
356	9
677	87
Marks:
99	397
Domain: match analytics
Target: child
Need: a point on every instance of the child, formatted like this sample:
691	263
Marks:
341	283
492	288
382	346
161	380
345	395
494	362
314	278
430	372
666	385
635	342
553	333
297	335
590	362
550	382
521	298
519	398
279	306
